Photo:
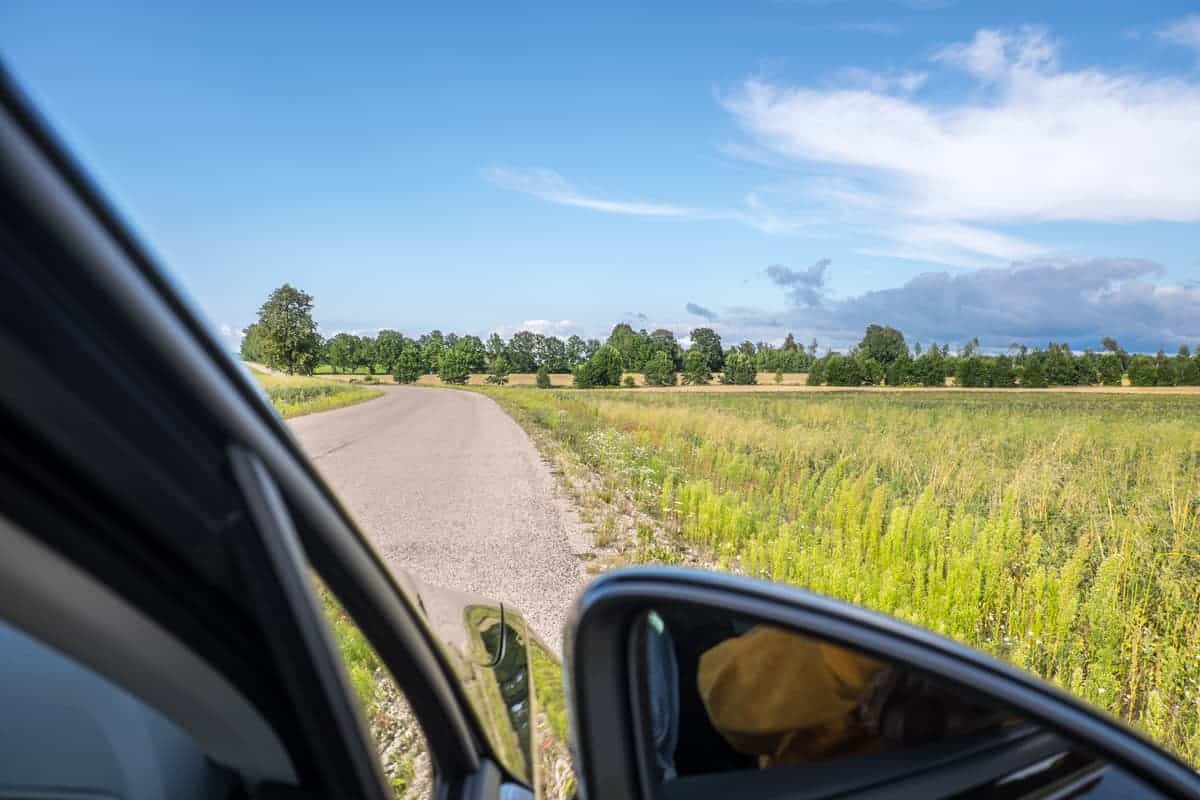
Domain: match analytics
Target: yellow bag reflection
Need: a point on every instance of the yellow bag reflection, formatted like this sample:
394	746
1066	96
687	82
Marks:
787	698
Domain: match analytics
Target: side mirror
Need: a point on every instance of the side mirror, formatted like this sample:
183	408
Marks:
694	684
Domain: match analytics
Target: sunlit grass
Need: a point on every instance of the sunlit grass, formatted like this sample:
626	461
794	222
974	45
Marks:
293	396
1059	532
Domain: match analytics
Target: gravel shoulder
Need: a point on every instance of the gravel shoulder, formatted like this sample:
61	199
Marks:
452	490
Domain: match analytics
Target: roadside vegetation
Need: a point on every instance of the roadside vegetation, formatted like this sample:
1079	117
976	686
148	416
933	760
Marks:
1060	532
293	396
398	739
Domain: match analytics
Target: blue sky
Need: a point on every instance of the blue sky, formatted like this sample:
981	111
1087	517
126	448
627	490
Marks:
1016	171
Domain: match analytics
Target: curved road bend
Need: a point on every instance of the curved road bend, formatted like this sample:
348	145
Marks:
449	488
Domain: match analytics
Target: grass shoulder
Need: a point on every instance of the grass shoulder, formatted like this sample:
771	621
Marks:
294	396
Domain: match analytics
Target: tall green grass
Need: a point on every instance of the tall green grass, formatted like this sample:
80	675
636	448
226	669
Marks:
293	396
1059	532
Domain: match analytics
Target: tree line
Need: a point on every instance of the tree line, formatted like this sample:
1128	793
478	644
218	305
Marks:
285	337
884	358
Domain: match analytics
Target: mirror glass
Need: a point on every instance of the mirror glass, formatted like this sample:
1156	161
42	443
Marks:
727	707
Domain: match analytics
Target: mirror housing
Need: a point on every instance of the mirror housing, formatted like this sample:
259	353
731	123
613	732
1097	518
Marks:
604	656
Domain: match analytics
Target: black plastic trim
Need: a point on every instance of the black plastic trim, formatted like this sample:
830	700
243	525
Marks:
37	170
597	640
277	575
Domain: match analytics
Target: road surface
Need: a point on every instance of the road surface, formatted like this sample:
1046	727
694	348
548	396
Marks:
449	488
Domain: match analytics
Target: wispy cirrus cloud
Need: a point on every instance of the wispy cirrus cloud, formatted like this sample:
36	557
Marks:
550	186
913	175
1184	31
906	81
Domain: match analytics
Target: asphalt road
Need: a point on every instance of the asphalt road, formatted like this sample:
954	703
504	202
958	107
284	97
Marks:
449	488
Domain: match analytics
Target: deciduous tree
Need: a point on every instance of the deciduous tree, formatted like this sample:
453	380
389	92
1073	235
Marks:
410	364
388	346
1142	371
709	343
289	338
498	371
660	370
455	364
882	343
602	369
342	352
695	367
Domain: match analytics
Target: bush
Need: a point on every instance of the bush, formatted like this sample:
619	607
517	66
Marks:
659	370
695	368
843	370
930	368
1190	374
498	374
1003	374
455	366
778	377
409	366
739	370
1143	371
873	371
602	369
1034	376
899	372
973	371
628	382
543	377
1165	369
816	373
1110	369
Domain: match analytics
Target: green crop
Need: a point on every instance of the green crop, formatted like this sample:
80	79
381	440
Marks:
1058	532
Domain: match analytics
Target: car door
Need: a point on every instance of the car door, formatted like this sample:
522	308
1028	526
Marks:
694	684
162	533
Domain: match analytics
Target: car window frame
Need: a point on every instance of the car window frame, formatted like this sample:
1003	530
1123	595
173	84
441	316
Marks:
38	172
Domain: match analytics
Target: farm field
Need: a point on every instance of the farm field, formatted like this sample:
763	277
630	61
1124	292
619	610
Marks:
1059	531
293	396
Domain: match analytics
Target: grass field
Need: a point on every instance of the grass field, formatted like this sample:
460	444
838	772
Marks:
294	396
1058	531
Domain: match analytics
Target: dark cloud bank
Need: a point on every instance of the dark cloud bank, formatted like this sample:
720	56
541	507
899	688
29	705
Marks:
1033	302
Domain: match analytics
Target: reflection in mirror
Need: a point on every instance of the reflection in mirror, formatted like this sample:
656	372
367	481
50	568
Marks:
726	705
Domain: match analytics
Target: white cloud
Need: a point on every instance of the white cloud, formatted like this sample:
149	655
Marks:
548	185
907	81
553	188
231	332
1184	31
953	244
992	54
550	327
562	328
1035	142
